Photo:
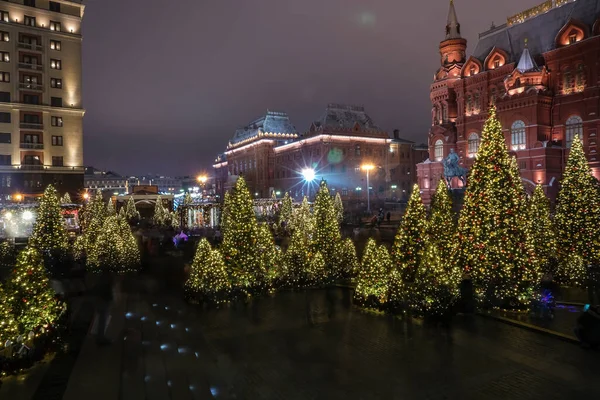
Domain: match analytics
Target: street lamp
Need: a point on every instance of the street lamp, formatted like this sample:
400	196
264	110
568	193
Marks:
368	167
86	196
202	179
309	175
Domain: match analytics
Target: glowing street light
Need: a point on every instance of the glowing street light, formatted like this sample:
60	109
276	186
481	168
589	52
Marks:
368	167
27	215
86	196
309	175
202	179
18	197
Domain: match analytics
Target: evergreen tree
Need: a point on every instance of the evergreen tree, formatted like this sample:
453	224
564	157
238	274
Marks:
131	212
239	239
436	283
441	226
107	252
208	275
577	215
303	220
296	260
542	228
49	235
31	298
409	241
9	329
187	199
327	235
348	261
315	274
110	208
94	217
372	281
161	216
268	255
285	215
494	243
225	211
396	291
339	208
66	199
129	250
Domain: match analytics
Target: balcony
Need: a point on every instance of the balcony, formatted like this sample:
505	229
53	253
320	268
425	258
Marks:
30	125
31	86
31	67
29	46
35	146
32	167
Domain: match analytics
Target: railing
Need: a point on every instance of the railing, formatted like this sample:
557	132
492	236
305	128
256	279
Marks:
35	67
29	46
39	146
29	125
31	167
31	86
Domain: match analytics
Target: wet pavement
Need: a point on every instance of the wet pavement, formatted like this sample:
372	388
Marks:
314	345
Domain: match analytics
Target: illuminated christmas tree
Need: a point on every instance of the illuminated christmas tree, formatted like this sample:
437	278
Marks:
303	220
49	235
225	211
131	213
397	296
436	283
32	299
338	206
110	208
372	280
296	260
315	274
267	254
441	226
208	275
285	215
239	239
577	215
94	216
107	252
348	261
161	216
327	233
129	250
542	229
494	244
66	199
9	329
409	241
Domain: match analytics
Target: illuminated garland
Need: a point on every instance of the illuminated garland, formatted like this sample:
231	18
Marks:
49	235
577	216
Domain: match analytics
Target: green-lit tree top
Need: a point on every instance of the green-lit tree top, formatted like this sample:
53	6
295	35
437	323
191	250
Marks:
409	241
49	234
494	243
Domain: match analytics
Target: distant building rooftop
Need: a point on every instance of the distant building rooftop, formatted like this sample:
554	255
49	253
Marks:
341	116
272	122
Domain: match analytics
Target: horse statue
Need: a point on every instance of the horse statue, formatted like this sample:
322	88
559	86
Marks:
452	169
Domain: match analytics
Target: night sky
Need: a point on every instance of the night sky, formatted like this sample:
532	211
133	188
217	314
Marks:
166	83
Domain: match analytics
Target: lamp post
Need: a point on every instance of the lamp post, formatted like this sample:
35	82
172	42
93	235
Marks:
368	168
309	175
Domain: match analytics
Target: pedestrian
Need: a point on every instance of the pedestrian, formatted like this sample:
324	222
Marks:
104	293
388	217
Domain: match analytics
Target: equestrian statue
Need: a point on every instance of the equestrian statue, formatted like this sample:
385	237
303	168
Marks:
452	169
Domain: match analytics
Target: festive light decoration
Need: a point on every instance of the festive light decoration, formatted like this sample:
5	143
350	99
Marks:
115	249
348	261
577	215
49	235
66	199
239	238
315	273
174	220
296	261
441	227
285	215
161	216
542	229
397	296
494	241
268	255
338	206
30	296
372	281
409	241
130	254
436	284
131	213
208	275
94	215
303	220
327	235
110	208
9	329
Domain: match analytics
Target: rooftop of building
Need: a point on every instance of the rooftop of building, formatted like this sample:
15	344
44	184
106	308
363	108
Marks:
345	117
272	122
91	171
539	25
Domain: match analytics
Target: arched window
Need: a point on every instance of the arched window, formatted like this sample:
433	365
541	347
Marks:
476	106
439	150
574	126
567	82
517	135
438	115
473	145
496	62
357	150
580	78
469	103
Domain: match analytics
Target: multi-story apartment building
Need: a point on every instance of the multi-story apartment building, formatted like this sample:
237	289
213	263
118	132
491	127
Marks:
271	156
541	71
41	114
106	181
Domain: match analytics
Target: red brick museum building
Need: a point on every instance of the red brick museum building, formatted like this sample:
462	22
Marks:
542	71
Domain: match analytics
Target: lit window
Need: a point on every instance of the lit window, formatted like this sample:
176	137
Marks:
517	135
357	150
56	83
4	77
4	36
57	140
4	16
572	38
29	21
439	150
56	121
574	127
4	56
55	26
472	70
55	64
55	45
473	144
496	62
